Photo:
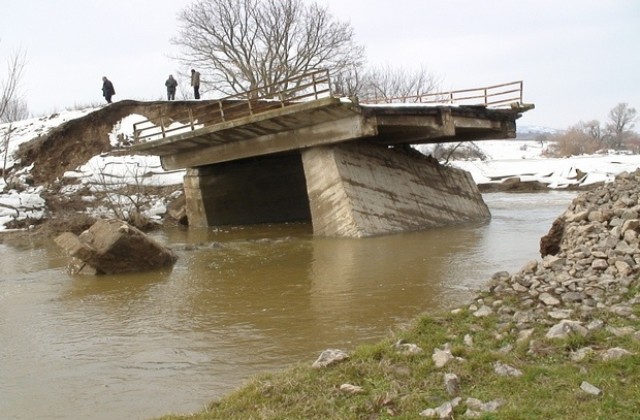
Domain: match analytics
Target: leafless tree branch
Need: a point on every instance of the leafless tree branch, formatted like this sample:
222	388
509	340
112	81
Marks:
11	105
241	45
385	83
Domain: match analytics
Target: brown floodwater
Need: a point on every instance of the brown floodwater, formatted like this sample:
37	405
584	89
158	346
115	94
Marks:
238	302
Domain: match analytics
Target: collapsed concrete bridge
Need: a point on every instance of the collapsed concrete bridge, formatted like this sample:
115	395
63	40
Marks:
345	166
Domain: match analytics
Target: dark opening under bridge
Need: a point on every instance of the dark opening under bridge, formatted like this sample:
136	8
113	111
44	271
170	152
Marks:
303	153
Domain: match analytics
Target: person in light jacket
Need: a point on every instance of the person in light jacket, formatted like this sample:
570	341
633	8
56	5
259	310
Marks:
195	82
107	89
171	85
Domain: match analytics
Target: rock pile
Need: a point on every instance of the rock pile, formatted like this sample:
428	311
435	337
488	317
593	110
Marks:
596	264
590	266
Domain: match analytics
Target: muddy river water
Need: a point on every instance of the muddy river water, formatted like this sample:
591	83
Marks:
239	301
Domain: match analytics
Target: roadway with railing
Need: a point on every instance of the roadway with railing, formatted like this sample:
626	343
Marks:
307	87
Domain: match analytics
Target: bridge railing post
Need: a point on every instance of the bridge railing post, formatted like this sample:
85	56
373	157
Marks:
221	110
315	87
328	77
521	89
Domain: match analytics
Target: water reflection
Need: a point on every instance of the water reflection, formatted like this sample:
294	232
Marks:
239	301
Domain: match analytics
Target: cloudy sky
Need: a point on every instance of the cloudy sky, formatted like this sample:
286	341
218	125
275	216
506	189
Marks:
577	58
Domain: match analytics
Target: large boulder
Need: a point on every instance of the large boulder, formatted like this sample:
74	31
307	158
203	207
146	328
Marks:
114	246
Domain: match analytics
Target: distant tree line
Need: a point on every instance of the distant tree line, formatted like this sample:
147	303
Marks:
591	136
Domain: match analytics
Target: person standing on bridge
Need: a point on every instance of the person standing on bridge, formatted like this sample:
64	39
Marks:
171	85
107	89
195	82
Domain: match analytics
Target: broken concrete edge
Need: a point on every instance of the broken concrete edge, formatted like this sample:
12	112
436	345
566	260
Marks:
113	246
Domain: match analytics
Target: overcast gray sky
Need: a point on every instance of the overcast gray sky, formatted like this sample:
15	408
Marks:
577	58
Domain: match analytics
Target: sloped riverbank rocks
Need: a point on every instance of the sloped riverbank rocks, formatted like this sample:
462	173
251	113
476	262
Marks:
596	264
586	282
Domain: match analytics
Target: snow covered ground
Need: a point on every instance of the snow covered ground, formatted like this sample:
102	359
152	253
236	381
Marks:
523	159
506	158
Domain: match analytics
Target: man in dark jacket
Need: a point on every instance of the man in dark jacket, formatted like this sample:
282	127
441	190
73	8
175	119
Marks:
171	85
195	82
107	89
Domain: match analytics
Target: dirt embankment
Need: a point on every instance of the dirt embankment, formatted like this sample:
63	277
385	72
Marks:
74	142
71	145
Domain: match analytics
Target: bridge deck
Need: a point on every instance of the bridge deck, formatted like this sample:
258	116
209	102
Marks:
327	121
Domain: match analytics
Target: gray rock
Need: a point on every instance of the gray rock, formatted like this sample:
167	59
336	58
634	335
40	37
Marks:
351	389
599	264
451	383
445	411
483	311
615	354
441	357
488	407
502	369
548	300
468	340
329	357
581	354
566	327
570	297
525	335
560	313
590	389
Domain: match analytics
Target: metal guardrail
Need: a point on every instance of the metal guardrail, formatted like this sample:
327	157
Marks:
503	95
309	86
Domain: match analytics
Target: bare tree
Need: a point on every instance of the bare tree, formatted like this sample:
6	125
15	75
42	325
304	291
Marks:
592	129
348	81
17	110
386	83
621	122
241	45
12	107
10	102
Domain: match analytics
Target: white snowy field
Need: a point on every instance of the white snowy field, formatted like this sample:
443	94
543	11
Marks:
524	159
506	158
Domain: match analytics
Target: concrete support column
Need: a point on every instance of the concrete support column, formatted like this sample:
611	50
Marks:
196	214
359	189
267	189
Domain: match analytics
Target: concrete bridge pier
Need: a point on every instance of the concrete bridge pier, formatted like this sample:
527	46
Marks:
345	190
363	189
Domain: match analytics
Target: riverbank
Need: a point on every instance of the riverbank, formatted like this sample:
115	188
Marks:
557	339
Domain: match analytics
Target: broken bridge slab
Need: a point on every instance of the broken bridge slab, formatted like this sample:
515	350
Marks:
329	121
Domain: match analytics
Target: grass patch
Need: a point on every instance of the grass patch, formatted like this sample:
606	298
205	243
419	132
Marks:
398	385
